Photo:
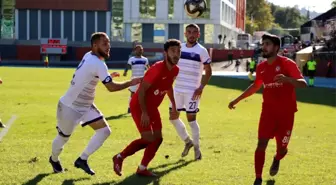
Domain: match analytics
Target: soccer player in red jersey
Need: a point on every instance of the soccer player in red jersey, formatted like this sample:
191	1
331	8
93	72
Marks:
280	76
157	81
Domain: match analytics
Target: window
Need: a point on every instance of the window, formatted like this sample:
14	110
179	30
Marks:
159	33
7	19
136	32
208	33
170	9
147	9
117	23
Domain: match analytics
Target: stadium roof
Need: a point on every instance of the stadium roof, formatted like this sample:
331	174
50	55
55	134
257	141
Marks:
323	17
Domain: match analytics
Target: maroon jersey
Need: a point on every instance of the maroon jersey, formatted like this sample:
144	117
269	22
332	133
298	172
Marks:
161	80
278	96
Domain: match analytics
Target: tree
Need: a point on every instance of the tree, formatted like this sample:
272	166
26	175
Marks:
288	17
260	14
333	4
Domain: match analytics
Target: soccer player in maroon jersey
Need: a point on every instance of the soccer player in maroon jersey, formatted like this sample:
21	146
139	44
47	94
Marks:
280	76
157	81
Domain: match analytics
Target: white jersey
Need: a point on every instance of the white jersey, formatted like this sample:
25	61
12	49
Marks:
138	66
191	66
81	92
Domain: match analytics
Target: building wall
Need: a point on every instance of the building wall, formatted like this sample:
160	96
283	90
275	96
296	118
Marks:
76	25
94	5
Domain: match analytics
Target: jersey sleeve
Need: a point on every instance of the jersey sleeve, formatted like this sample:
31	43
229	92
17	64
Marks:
102	73
146	63
129	62
152	74
258	80
205	58
293	70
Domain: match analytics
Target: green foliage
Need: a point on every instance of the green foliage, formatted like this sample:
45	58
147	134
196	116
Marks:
260	14
333	4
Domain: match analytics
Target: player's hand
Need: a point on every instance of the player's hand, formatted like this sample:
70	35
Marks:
144	119
173	114
232	104
0	81
197	94
280	78
136	81
115	74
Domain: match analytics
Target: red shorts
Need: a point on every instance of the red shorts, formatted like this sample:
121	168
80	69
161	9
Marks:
275	124
154	117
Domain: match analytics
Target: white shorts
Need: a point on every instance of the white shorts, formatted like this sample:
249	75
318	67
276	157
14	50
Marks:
133	88
184	102
68	118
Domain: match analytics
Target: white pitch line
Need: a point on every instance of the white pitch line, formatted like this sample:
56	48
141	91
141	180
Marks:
8	125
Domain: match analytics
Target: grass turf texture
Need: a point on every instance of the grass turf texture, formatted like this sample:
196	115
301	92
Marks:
228	138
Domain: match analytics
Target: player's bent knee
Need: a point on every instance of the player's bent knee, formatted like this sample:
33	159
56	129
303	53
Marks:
62	134
106	131
148	136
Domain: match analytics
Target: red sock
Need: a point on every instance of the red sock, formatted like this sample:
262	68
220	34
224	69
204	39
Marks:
259	159
150	151
133	147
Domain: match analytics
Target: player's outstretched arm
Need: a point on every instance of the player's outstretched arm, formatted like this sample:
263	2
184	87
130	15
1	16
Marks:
117	86
248	92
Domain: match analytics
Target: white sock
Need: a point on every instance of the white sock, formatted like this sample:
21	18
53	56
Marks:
142	167
96	142
180	128
57	147
195	130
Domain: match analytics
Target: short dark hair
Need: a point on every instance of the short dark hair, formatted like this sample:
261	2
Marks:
170	43
193	26
273	38
96	36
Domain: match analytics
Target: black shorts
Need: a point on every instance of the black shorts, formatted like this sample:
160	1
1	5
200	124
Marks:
311	73
252	71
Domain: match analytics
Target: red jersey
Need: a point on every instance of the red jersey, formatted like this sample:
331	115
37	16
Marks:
161	80
278	96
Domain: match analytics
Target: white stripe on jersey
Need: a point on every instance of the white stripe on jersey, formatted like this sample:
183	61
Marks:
191	66
138	66
81	93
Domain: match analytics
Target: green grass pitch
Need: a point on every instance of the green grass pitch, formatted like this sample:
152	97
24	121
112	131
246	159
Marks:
228	138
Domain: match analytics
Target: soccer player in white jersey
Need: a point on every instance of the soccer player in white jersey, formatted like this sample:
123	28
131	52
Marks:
138	64
189	86
77	106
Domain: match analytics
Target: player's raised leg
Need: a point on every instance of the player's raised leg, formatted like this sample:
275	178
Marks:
282	137
67	120
102	132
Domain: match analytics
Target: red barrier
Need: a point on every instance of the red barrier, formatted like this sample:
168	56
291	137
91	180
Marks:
222	55
80	52
28	52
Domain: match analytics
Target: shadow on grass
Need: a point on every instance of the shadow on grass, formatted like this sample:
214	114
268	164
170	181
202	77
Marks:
270	182
72	181
38	178
124	115
135	179
316	95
